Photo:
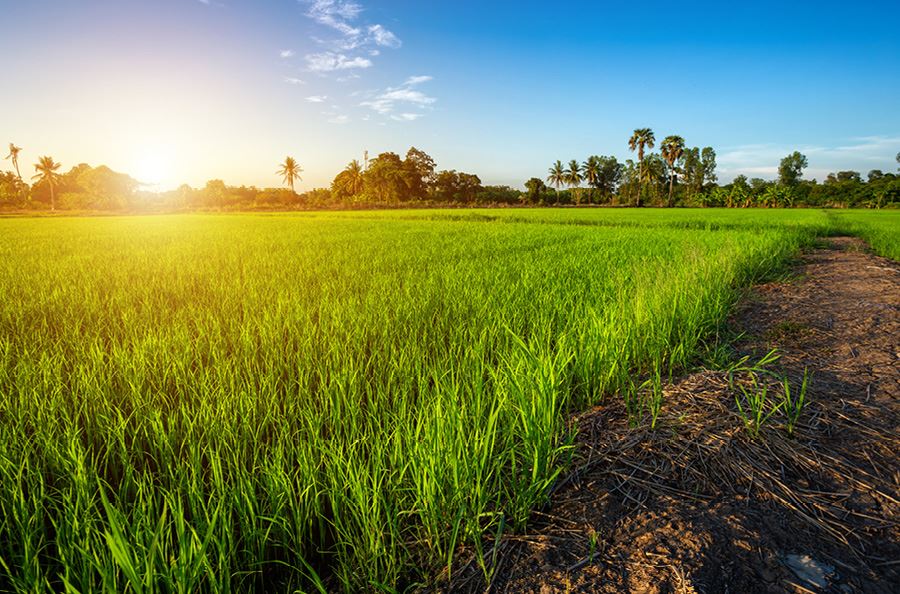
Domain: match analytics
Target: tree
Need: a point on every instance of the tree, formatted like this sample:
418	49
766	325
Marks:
387	179
573	176
535	189
105	188
672	148
641	139
708	166
557	177
420	168
14	157
608	175
349	182
46	173
591	171
791	169
290	170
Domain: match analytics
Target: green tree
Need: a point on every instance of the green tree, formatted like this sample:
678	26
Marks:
420	168
14	157
573	177
672	148
535	190
591	170
290	171
557	177
46	174
387	179
349	182
642	138
790	171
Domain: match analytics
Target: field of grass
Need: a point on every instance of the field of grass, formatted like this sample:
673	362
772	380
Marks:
220	403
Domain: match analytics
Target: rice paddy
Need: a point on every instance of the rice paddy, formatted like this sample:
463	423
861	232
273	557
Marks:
334	401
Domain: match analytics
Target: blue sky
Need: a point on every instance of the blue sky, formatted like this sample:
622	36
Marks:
188	90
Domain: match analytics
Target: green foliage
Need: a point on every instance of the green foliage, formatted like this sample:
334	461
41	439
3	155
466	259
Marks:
328	401
790	170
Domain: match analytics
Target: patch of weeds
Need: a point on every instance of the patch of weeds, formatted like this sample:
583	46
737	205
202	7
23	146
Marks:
756	409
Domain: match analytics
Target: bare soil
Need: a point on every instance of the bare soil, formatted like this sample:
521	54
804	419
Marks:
698	505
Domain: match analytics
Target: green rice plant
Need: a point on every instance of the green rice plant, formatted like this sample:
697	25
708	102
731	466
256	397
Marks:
756	408
331	401
792	404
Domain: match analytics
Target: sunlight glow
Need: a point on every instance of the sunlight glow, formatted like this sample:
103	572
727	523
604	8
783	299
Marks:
152	167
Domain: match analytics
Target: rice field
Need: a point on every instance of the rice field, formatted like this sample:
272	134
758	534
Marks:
334	401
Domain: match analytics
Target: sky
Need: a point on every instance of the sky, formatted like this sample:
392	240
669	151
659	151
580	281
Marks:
183	91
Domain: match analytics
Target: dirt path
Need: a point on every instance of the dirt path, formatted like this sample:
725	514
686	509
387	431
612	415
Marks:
699	506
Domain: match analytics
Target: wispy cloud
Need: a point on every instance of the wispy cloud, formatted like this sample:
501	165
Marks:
317	98
286	53
381	36
339	119
860	154
388	101
331	61
416	80
339	16
293	81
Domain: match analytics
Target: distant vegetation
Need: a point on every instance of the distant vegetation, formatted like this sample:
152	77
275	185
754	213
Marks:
678	175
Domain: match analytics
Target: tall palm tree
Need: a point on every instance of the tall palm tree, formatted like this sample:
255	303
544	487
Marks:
290	170
573	177
672	148
46	172
557	177
590	171
14	156
641	139
350	179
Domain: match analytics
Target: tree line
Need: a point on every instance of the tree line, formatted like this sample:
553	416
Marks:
686	176
678	175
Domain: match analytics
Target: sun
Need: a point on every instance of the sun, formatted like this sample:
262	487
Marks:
152	167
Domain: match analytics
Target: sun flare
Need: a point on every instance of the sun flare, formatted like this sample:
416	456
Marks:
152	167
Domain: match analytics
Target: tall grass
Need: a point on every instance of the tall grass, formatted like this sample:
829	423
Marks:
225	403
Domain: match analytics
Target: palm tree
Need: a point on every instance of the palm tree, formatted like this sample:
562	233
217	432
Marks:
350	180
290	170
672	148
573	177
46	172
14	156
591	170
641	139
557	177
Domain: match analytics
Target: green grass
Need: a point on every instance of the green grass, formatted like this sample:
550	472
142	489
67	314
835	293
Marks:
225	403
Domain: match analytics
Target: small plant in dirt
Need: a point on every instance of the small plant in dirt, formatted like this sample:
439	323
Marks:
793	403
756	409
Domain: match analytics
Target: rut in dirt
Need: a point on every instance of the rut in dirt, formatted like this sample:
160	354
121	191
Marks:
697	505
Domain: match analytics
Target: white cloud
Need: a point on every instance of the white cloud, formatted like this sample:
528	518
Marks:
381	36
293	81
317	98
335	14
858	154
339	16
287	53
339	119
330	61
416	80
387	102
